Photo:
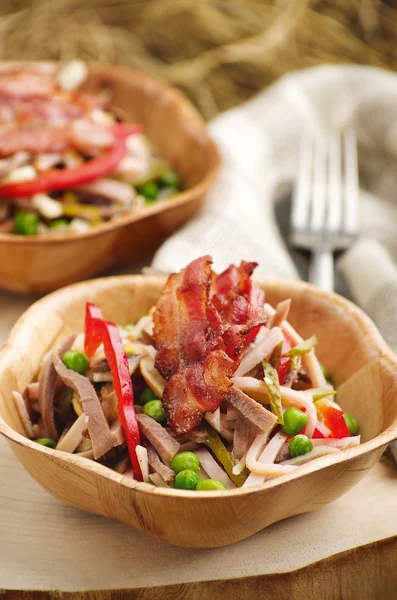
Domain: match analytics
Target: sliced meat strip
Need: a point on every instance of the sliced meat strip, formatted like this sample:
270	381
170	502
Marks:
98	428
255	413
117	432
244	434
47	384
159	467
109	402
163	442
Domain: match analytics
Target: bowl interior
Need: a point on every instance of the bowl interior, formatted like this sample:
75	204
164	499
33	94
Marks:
360	364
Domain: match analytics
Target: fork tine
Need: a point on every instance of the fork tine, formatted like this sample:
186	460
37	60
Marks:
302	190
334	216
319	195
351	189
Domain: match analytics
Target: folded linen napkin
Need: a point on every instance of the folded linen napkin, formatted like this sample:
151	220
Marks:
258	143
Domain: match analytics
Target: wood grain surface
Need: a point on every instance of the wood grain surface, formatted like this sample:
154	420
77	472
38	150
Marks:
365	374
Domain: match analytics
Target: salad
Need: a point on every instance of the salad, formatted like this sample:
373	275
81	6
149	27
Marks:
213	389
67	161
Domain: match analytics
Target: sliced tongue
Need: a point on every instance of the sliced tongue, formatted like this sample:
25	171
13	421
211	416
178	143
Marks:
47	383
244	433
159	467
253	411
101	437
163	442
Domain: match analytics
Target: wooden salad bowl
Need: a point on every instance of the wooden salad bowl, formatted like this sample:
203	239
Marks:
44	263
361	366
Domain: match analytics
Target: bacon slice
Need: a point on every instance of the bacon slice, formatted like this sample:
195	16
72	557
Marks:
192	331
239	301
35	115
197	372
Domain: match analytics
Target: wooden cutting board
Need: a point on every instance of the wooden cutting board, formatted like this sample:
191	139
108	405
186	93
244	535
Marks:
346	550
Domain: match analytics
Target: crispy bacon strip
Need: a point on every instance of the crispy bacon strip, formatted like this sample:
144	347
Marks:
198	373
239	302
35	115
192	332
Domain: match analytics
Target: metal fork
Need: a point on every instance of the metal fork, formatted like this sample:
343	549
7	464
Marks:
324	215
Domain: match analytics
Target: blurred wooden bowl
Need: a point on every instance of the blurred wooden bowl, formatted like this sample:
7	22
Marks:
361	365
44	263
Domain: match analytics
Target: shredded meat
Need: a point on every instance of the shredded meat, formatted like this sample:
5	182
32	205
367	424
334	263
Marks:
253	411
109	402
101	437
163	442
47	384
244	434
159	467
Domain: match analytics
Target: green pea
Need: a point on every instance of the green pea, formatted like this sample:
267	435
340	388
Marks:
149	191
184	461
58	223
147	395
76	361
26	223
49	442
294	421
210	485
300	444
169	178
352	424
186	480
155	409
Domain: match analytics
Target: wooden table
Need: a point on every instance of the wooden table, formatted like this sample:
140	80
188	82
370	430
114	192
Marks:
346	550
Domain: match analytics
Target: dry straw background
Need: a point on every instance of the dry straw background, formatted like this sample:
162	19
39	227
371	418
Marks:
219	52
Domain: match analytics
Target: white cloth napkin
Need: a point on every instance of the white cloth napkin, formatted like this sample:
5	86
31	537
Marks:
258	143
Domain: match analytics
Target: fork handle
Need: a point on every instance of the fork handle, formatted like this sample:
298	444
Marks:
321	272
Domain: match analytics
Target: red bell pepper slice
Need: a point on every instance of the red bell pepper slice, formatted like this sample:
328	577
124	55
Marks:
334	420
98	331
61	179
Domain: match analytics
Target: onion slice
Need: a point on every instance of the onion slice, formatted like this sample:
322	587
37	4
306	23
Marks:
265	343
212	468
305	458
143	460
310	360
264	466
72	439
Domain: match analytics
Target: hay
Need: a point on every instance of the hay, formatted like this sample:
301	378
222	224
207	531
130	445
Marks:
219	52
